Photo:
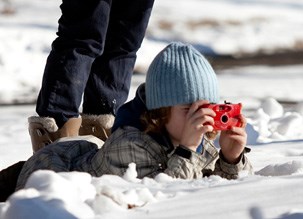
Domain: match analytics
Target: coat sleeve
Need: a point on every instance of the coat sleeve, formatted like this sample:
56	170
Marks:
231	171
132	146
129	146
187	164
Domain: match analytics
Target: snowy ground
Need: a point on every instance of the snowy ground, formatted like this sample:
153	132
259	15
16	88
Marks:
275	132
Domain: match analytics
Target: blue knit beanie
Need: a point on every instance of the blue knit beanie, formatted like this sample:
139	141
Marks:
179	74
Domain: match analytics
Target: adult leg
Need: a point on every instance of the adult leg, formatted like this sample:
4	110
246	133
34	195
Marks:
109	82
81	37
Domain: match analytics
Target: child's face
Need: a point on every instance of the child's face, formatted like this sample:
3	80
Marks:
176	122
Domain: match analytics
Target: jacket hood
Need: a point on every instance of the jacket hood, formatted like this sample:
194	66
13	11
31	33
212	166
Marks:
129	114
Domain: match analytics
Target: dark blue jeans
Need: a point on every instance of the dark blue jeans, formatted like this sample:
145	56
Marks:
93	57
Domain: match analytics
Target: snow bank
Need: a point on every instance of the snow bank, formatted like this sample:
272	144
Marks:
78	195
273	123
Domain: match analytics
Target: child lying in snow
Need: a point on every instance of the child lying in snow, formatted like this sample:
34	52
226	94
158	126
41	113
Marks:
164	129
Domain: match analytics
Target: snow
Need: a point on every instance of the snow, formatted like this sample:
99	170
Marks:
273	124
275	130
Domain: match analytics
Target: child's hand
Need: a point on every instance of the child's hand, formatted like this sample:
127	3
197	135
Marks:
194	127
233	141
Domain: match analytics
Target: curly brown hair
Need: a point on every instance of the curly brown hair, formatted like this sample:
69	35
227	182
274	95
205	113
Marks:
154	120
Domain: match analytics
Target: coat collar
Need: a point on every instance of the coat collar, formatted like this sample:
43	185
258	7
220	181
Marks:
129	113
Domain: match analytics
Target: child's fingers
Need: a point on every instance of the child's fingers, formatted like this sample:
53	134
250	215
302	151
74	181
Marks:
196	106
243	121
237	131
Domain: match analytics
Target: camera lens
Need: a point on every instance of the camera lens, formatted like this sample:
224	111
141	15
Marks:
224	119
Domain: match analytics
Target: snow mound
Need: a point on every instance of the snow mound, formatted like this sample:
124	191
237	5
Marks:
78	195
273	123
292	167
53	195
272	108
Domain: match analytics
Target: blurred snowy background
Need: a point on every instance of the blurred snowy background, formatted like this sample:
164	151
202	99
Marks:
231	33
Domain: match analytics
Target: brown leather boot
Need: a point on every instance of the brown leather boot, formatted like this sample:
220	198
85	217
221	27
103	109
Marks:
97	125
44	130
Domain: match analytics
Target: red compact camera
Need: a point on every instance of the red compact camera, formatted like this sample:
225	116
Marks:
226	115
